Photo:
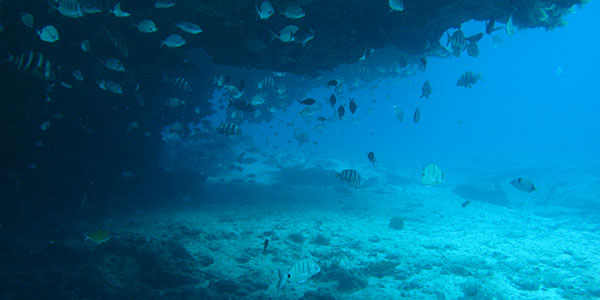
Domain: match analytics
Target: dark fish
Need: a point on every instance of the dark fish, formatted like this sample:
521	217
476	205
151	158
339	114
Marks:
352	105
457	41
341	112
229	128
473	49
322	119
34	64
523	184
351	177
424	63
426	90
243	106
332	100
489	26
475	38
417	115
265	245
301	137
468	79
332	82
308	101
181	83
242	84
371	157
466	203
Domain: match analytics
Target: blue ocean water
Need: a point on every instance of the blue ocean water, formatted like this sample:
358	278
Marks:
230	188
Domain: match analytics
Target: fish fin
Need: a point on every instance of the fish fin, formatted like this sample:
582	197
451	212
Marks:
274	36
282	279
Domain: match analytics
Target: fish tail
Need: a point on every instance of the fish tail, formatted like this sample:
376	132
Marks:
273	35
282	279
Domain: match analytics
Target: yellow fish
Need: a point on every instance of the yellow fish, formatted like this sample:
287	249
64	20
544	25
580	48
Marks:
98	236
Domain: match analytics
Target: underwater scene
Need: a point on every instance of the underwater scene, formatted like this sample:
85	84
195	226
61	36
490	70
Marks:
300	149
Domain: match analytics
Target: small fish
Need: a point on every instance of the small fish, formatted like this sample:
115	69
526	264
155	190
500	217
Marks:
69	8
307	101
146	26
432	174
523	184
27	19
489	26
78	75
417	115
85	46
98	236
265	11
464	204
298	272
114	64
48	34
371	157
322	119
308	111
474	38
180	83
34	64
189	27
352	105
301	137
423	61
110	86
286	34
510	27
332	82
265	245
426	89
173	41
267	81
164	3
332	100
229	128
175	102
258	99
341	111
398	113
473	49
351	177
118	12
303	36
468	79
396	5
294	12
456	41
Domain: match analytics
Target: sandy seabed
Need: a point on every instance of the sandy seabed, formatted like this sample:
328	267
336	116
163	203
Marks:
413	242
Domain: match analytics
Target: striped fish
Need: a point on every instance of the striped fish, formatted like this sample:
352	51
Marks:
298	272
181	83
69	8
432	174
350	176
473	49
33	63
301	137
457	41
229	128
